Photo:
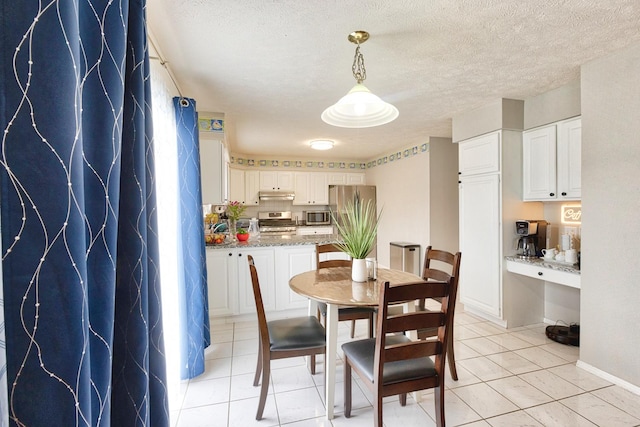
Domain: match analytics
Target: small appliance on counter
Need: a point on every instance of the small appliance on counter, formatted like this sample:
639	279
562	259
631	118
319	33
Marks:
532	237
317	217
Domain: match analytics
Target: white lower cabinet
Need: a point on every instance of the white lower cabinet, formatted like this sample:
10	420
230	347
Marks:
229	281
264	261
222	301
290	261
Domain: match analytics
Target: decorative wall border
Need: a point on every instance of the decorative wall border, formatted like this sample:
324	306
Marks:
245	161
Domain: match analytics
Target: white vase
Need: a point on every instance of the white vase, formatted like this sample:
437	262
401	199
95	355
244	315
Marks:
359	270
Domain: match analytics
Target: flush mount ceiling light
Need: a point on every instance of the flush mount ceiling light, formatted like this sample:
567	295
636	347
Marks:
359	108
321	144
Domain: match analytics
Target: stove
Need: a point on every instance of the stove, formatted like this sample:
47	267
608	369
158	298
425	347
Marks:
276	224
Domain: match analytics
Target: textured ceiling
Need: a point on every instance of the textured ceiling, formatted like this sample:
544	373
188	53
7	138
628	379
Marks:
273	66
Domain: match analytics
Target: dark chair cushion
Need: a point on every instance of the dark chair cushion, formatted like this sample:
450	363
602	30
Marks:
356	309
296	333
362	353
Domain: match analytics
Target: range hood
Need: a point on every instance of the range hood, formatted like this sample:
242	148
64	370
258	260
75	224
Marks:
276	195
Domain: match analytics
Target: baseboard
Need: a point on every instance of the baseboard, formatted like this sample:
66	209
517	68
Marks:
608	377
485	316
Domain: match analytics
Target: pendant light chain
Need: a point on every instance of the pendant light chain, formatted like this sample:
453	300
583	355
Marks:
359	72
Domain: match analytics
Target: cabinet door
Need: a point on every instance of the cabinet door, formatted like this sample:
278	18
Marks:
213	172
237	185
570	159
252	187
336	178
264	261
222	296
480	237
301	188
356	179
285	181
539	164
291	261
318	189
480	155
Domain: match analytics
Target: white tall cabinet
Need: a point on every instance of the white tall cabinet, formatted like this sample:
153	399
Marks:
490	202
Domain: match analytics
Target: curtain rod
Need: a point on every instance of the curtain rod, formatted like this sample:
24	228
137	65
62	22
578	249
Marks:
163	62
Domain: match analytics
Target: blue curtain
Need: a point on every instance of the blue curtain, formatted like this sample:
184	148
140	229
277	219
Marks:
79	242
194	308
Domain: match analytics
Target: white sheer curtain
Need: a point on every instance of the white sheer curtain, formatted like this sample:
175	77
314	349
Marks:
164	134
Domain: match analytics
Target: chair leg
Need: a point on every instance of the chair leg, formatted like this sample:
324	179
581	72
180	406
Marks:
438	394
377	410
256	378
402	398
264	390
313	364
353	328
451	359
347	389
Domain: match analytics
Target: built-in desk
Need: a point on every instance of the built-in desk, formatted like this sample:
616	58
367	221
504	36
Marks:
561	284
549	271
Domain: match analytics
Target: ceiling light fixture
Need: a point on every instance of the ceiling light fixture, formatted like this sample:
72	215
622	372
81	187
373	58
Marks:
359	108
321	144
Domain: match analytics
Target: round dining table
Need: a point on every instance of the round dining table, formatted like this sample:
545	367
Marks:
334	287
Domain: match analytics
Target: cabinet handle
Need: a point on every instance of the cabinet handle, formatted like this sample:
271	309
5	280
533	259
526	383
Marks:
239	254
552	194
459	173
564	194
539	273
230	254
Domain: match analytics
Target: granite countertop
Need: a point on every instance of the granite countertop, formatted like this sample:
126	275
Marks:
560	266
279	241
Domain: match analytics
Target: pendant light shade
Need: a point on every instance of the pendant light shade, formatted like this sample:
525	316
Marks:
359	108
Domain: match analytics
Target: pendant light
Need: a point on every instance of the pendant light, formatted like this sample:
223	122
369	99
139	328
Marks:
359	108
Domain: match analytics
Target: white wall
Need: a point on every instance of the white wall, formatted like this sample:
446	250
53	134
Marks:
610	286
419	195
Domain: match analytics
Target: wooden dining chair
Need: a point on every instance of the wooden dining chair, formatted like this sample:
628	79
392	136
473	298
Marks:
344	313
442	266
391	363
280	339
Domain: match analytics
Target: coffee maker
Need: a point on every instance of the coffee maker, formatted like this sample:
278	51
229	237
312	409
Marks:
532	237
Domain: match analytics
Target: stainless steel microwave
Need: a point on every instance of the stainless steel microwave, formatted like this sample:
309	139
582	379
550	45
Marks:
317	217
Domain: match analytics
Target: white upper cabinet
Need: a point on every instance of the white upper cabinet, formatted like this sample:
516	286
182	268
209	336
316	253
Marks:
244	186
570	159
552	161
480	155
214	172
237	185
276	180
311	188
346	178
251	187
539	163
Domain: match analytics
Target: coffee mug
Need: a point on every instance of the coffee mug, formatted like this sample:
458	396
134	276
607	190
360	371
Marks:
571	255
549	253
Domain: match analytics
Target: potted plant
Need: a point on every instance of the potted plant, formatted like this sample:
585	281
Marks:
357	229
235	210
242	235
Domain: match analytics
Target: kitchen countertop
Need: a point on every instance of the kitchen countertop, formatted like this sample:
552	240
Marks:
264	241
546	264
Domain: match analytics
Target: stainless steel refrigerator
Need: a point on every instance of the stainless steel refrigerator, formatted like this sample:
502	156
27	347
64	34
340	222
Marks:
339	195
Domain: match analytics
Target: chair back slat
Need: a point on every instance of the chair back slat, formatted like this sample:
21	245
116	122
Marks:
329	248
412	350
414	321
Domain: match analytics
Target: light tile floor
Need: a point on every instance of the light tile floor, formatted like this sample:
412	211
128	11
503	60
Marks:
513	377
